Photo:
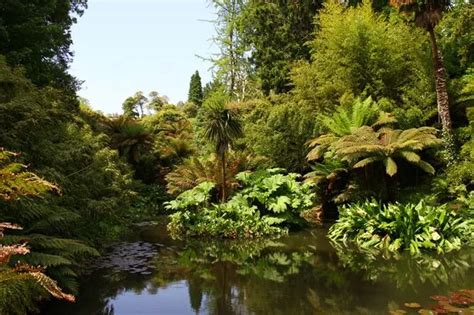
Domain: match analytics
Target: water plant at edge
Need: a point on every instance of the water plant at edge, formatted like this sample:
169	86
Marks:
268	203
395	227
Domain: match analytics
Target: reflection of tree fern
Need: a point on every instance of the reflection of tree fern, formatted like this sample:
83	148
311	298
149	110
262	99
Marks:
408	272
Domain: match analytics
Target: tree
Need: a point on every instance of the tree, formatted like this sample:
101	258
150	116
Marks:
278	129
344	121
129	137
231	63
365	146
37	35
427	14
195	94
156	101
278	31
133	105
357	52
222	127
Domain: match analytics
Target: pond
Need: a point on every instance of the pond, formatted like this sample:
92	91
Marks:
298	274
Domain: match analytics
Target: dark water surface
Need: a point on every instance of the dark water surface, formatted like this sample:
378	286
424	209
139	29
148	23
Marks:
298	274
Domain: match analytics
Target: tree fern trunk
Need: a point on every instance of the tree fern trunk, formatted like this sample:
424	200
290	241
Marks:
223	179
442	95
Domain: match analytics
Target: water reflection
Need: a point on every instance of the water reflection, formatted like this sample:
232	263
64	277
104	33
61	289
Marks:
298	274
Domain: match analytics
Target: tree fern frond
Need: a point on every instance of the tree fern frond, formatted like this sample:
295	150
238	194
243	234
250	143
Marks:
410	156
391	167
45	260
366	161
427	167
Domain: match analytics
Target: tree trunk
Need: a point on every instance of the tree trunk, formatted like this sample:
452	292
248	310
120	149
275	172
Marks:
442	97
223	179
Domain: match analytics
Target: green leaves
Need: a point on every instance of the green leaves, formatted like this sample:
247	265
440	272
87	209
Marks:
191	199
394	227
267	203
277	193
364	146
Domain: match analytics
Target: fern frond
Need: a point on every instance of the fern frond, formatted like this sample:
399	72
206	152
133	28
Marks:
366	161
391	167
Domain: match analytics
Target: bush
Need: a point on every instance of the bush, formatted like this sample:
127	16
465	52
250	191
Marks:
268	204
395	227
195	216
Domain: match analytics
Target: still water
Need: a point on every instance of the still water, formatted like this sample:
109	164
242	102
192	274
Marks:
298	274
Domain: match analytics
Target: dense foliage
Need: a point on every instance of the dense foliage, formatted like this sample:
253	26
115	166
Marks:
364	99
413	227
22	284
267	204
37	36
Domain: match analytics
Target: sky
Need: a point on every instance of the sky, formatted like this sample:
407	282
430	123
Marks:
124	46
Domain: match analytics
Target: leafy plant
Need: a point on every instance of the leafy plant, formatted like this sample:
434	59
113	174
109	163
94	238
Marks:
365	146
196	216
344	121
273	193
19	283
394	227
196	170
266	205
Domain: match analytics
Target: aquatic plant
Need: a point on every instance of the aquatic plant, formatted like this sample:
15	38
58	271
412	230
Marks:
396	227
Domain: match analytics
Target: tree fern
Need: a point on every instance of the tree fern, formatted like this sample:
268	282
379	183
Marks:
344	121
197	170
366	146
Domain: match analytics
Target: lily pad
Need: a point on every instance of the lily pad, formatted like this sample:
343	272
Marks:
439	298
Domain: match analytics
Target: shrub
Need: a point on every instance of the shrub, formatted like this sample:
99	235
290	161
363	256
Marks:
395	227
268	204
195	216
276	194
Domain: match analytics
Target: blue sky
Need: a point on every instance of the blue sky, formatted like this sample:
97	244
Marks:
123	46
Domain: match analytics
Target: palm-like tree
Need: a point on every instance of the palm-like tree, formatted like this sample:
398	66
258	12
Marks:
427	14
195	171
222	127
344	121
366	146
129	137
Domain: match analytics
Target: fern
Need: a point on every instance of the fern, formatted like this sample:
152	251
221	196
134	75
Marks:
19	284
365	146
198	170
344	121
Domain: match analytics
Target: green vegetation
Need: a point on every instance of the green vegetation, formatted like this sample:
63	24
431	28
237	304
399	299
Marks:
267	204
394	227
22	283
372	118
195	89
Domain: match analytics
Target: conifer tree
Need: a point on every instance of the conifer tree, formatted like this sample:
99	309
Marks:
195	89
